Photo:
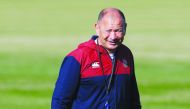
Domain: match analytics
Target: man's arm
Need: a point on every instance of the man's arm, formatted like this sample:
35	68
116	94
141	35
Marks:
135	99
67	84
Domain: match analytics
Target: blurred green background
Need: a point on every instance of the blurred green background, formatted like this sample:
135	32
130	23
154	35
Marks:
35	35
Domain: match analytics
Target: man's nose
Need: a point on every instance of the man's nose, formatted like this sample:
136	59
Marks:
113	35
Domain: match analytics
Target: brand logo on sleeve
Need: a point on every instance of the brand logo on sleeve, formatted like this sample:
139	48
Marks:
125	63
96	65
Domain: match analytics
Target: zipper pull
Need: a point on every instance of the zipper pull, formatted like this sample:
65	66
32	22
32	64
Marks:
107	106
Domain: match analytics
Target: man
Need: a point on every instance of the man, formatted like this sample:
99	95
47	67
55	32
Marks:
99	74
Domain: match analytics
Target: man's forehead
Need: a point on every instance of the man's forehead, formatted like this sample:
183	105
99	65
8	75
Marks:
111	19
112	14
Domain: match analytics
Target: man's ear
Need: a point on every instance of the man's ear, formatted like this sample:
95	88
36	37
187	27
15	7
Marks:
125	25
125	28
96	25
97	29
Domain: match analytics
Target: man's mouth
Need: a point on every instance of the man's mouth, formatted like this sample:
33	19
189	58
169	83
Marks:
112	42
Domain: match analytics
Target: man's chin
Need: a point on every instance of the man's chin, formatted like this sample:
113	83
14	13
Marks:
112	48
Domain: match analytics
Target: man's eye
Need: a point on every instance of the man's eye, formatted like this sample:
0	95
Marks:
108	31
119	30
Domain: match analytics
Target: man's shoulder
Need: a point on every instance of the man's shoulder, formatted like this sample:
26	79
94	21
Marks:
83	49
125	49
125	52
75	54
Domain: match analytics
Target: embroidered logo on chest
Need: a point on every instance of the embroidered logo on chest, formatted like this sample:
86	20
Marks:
95	65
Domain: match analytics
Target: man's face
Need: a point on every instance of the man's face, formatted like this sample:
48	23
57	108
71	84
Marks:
111	31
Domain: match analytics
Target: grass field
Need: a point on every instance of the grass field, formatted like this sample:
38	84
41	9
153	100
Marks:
36	35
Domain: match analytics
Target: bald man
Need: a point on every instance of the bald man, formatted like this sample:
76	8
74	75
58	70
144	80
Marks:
99	74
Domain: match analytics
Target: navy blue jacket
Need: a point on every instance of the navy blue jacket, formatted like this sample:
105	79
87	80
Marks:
82	81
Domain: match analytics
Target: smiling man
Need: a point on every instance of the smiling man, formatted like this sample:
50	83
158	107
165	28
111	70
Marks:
99	74
111	28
